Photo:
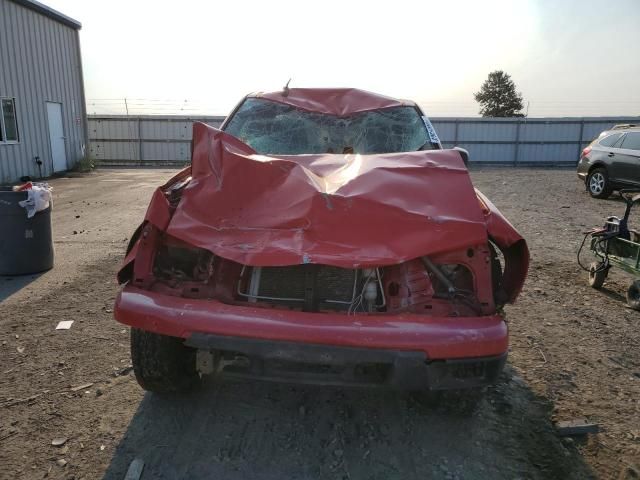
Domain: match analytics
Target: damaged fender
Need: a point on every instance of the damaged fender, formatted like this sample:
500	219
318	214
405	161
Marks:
511	244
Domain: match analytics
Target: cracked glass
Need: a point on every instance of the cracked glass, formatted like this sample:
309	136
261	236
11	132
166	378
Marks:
273	128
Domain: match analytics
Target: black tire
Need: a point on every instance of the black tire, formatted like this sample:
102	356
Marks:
633	295
163	364
598	184
597	275
463	402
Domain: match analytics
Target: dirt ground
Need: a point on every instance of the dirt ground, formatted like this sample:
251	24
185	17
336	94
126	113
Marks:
574	354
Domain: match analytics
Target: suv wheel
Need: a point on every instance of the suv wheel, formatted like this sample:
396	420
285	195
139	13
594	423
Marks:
162	364
598	183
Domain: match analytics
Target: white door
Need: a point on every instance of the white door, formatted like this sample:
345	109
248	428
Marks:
56	135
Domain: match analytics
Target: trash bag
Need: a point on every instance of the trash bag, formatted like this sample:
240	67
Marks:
38	199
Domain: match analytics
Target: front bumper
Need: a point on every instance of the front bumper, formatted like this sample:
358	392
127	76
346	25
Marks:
427	348
331	365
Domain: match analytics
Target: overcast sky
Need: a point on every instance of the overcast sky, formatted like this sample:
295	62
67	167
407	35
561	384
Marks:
567	57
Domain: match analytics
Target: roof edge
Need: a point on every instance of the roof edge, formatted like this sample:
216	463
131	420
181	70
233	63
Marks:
340	102
49	12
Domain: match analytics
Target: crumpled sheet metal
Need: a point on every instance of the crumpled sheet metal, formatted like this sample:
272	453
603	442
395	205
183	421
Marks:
348	211
513	247
333	101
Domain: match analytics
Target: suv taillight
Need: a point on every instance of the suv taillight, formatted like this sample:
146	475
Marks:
586	151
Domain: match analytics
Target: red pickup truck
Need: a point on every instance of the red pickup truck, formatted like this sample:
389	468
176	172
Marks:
321	236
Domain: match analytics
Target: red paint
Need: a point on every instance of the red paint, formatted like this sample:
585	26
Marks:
349	211
512	245
333	101
438	337
342	210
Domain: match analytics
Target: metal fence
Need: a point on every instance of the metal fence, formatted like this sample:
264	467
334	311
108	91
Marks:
524	141
166	140
146	140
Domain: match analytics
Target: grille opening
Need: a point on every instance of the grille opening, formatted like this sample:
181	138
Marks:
313	288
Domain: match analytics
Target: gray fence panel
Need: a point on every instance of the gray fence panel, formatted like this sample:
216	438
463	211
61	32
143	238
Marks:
113	129
143	140
490	153
161	140
486	132
159	130
547	153
121	151
446	130
179	152
549	132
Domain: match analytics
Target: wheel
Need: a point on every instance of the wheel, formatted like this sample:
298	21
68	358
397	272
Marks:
598	183
633	295
597	274
161	363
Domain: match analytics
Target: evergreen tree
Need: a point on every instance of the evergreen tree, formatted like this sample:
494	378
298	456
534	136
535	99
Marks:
498	96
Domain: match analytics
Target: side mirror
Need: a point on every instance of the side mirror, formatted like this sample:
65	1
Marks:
464	154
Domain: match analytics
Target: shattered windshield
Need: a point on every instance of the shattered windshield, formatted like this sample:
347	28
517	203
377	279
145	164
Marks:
273	128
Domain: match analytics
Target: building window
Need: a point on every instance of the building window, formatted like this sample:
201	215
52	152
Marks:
8	121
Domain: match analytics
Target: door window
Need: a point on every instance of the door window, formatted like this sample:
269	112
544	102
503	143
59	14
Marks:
610	140
631	141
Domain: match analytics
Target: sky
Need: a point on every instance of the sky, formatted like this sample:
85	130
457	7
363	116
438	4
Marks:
567	57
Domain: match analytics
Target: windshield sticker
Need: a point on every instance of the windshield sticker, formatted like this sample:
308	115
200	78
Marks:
433	136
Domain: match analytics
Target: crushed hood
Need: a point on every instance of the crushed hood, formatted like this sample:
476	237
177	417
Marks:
344	210
333	101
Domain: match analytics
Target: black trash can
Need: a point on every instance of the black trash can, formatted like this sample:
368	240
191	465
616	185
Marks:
26	244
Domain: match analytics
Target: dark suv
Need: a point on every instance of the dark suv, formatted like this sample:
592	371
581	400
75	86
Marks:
611	161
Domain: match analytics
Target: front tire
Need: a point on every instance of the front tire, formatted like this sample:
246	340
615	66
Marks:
598	184
163	364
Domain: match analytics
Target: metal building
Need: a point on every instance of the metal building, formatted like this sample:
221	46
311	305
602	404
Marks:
43	126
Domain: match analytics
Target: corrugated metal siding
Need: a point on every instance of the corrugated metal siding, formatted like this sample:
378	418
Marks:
40	62
523	140
548	153
143	140
113	151
486	132
167	129
549	131
489	153
149	140
115	129
180	152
